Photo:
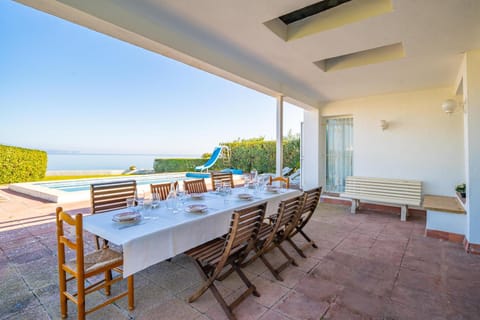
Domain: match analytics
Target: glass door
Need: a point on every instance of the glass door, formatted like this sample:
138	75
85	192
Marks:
339	153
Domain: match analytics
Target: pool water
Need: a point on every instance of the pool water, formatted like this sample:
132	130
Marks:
84	184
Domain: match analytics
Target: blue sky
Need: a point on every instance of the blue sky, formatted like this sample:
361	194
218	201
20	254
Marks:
65	87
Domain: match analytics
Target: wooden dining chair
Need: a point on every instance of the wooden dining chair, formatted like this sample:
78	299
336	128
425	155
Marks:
274	233
212	257
312	198
221	178
162	189
85	266
284	181
195	186
110	196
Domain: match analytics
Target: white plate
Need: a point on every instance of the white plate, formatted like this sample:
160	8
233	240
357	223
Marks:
127	217
272	189
245	196
197	196
196	208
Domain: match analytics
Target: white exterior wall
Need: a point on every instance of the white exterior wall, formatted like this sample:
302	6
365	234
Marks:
422	142
448	222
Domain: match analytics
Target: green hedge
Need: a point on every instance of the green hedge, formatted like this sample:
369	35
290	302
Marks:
244	154
21	165
260	154
176	165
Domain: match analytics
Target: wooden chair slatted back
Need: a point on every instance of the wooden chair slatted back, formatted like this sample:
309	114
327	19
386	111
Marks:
312	198
162	189
219	178
243	231
63	241
195	186
282	180
111	195
289	213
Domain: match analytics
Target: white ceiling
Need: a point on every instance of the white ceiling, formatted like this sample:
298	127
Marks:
229	38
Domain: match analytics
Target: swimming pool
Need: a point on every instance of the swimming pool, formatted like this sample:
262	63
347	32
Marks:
84	184
79	189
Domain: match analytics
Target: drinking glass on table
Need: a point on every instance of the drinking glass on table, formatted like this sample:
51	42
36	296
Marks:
246	181
130	202
139	197
155	200
182	196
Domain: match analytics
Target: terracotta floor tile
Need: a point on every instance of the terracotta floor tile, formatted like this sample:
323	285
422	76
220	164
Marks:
169	309
291	276
338	312
420	281
319	289
270	291
362	303
273	315
299	306
354	274
424	305
33	313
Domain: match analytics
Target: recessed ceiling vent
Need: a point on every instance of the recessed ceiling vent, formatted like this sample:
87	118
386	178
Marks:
362	58
310	10
325	15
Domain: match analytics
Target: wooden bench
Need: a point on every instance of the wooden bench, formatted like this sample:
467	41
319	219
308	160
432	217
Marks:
389	191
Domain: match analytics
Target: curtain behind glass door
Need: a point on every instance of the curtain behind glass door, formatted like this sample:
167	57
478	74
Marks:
339	153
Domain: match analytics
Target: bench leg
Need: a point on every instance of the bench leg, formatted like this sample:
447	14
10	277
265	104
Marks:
403	213
354	207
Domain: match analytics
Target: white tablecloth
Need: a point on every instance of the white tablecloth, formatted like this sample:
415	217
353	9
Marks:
154	240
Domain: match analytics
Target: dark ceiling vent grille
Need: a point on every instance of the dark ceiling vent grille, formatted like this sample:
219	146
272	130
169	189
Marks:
311	10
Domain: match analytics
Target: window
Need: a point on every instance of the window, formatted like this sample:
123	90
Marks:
339	153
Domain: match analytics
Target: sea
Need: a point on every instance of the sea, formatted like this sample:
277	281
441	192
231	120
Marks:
95	161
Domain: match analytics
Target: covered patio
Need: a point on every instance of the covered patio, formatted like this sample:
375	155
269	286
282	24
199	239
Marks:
389	65
367	266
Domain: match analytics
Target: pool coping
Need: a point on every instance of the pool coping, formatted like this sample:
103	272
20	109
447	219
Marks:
58	196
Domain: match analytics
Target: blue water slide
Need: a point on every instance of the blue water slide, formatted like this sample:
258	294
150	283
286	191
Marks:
217	152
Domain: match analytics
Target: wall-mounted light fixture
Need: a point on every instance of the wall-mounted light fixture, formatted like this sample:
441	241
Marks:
383	124
449	106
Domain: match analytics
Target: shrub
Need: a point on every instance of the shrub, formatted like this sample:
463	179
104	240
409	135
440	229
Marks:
260	154
21	165
246	155
176	165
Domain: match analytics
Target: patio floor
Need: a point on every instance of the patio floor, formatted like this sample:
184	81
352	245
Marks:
367	266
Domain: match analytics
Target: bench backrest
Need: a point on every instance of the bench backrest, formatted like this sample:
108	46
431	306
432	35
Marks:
409	191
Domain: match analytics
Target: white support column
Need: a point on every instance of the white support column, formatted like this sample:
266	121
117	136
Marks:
472	148
311	149
279	149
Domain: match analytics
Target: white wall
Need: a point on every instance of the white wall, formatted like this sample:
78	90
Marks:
421	143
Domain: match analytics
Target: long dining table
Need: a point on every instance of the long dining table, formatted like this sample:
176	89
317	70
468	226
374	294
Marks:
162	233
